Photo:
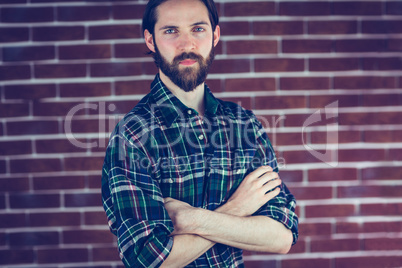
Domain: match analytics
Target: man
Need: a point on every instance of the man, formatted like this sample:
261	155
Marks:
188	179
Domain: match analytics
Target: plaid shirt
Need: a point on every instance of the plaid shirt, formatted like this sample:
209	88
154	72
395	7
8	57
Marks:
164	149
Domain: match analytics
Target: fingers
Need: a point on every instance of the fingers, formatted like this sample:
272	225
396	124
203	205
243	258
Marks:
256	174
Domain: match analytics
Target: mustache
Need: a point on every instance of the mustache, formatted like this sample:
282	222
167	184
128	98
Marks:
186	56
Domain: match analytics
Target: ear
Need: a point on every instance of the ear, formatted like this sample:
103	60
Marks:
217	34
149	40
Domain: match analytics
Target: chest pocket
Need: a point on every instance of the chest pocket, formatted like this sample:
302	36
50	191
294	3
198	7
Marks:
178	178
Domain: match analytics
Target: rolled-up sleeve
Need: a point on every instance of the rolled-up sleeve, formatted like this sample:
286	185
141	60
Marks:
134	206
282	207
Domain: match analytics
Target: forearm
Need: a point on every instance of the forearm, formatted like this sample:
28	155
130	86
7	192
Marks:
186	248
254	233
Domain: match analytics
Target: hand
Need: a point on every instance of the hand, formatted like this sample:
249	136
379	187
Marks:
181	214
254	191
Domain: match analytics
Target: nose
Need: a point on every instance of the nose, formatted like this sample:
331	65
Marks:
186	42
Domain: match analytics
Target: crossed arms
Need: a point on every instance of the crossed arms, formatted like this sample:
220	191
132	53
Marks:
230	224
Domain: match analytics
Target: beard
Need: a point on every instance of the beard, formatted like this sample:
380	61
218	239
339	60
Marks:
187	78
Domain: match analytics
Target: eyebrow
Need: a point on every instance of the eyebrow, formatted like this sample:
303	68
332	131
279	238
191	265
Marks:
175	27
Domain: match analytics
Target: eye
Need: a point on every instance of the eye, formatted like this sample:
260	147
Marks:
170	31
199	29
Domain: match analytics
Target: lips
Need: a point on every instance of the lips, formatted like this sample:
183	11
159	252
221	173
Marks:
188	62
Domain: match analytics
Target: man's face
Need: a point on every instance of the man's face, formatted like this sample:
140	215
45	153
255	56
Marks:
183	42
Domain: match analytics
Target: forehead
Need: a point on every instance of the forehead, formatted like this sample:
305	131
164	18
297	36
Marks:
182	12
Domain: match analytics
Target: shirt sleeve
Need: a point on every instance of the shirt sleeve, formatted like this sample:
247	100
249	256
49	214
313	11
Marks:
282	207
134	206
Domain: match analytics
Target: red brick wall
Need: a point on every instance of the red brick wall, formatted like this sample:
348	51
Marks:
324	75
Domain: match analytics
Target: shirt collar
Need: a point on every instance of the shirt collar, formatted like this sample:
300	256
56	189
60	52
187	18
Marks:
171	107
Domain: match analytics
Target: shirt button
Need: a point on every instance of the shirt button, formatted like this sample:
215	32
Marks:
201	137
189	112
238	171
171	180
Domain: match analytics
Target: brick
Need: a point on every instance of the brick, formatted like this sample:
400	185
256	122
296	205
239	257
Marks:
382	244
34	165
249	84
115	69
311	193
364	82
335	245
24	201
83	126
52	219
279	65
114	32
150	68
353	155
304	83
132	87
235	27
8	148
383	227
381	118
277	27
83	200
126	12
299	247
130	50
304	8
383	173
393	8
85	52
333	64
280	102
347	227
295	263
369	191
382	26
329	211
14	184
87	237
388	209
14	72
393	63
59	146
95	218
383	136
32	127
330	174
230	66
249	9
394	45
361	45
80	163
306	46
382	100
332	27
363	8
30	91
13	220
14	34
13	1
252	47
368	261
58	182
30	239
93	181
3	167
319	101
83	13
27	14
58	33
394	155
85	89
105	254
60	70
283	139
64	255
16	256
14	110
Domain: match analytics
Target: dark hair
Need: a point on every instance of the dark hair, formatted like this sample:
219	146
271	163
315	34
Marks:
150	17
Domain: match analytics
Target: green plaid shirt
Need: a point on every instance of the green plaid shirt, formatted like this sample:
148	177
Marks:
164	149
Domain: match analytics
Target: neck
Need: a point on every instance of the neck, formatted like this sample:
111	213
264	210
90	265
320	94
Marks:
193	99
